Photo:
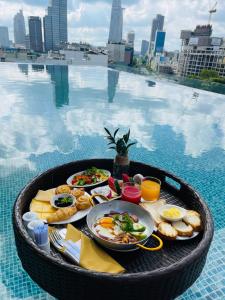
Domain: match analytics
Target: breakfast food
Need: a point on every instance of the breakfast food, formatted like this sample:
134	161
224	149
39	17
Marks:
167	231
182	228
152	208
83	202
92	175
62	214
64	200
41	207
77	192
63	189
193	218
120	228
172	213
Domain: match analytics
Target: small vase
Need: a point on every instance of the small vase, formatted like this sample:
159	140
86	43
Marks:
121	165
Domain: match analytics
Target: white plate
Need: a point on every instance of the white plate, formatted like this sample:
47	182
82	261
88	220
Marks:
168	206
69	180
184	238
104	190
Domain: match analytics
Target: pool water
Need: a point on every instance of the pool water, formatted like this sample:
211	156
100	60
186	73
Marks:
55	114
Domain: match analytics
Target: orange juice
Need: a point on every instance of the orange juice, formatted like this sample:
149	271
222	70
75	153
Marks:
150	189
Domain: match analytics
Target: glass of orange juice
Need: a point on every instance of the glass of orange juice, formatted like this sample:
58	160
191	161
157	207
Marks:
150	188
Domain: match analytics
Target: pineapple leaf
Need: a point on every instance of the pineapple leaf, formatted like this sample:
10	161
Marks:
114	148
116	132
126	136
131	144
111	143
107	131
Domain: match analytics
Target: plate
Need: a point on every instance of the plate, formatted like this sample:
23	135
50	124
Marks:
169	206
104	190
69	180
184	238
76	217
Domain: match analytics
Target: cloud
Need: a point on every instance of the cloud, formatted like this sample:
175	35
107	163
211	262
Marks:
94	17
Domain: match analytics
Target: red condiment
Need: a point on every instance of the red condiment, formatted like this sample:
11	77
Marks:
131	193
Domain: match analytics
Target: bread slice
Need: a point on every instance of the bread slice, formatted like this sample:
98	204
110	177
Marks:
167	231
152	208
193	218
182	228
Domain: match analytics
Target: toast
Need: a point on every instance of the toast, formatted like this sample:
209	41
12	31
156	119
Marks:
152	208
167	231
182	228
193	218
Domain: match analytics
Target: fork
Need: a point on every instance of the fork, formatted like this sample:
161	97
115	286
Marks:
65	247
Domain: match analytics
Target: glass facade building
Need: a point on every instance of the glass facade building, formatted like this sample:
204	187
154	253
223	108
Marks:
35	34
157	24
159	41
116	23
55	25
4	36
19	29
144	47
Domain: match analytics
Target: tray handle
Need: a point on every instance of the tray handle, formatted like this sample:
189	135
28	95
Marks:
155	248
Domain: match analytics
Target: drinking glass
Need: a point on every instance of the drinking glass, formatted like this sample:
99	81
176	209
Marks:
150	188
131	192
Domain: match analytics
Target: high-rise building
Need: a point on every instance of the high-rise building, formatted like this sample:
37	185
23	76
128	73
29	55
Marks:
116	23
4	36
19	29
35	34
159	41
144	47
55	25
157	24
27	40
131	38
199	50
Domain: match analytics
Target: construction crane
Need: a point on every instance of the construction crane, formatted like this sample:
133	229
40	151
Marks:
213	10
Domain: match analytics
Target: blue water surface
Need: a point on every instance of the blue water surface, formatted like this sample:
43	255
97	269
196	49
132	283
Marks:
50	115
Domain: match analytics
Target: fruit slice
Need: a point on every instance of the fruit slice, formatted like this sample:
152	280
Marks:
139	235
138	227
125	178
114	185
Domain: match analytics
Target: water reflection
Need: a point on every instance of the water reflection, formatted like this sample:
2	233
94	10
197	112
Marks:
113	78
38	68
195	118
59	77
23	68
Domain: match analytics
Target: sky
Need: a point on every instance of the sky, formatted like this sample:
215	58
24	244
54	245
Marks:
88	20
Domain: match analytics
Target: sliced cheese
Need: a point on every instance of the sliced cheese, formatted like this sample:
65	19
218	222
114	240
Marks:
45	195
41	207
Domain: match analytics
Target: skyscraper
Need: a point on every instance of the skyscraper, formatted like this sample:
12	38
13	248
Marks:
19	29
131	38
4	36
144	47
159	41
55	25
35	34
157	24
116	23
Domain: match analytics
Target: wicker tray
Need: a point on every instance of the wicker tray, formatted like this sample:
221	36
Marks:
150	275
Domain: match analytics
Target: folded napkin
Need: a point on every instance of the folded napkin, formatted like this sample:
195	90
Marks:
91	256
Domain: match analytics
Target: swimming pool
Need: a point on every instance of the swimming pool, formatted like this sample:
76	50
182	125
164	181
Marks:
55	114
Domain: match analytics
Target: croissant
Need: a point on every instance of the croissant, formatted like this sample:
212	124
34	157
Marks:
83	202
62	214
62	189
77	192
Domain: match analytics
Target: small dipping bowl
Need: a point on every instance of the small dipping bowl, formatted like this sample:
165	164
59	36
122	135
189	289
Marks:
28	217
56	197
167	207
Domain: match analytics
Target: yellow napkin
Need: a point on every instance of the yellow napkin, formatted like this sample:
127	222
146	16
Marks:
92	257
45	195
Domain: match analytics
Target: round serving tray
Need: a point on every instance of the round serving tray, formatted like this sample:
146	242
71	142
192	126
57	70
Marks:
159	275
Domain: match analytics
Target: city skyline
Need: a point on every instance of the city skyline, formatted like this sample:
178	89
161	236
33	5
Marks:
89	20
